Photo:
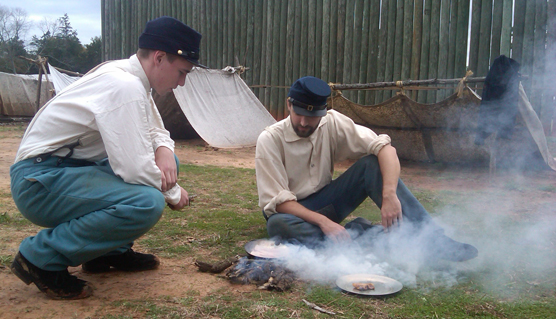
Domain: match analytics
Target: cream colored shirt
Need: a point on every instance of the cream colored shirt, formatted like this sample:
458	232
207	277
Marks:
111	112
290	167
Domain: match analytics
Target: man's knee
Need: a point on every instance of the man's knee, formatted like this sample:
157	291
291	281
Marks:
369	161
277	225
151	205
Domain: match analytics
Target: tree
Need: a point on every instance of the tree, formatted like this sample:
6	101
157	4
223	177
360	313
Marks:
60	44
90	57
13	27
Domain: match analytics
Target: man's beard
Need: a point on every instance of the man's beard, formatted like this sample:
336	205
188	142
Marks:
304	133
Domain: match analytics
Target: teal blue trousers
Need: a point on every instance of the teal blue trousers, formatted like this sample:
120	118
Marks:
87	210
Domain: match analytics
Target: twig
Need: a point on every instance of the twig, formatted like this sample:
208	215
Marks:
312	305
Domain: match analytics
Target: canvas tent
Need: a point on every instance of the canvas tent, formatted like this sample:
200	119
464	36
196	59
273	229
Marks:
217	104
222	108
18	94
59	79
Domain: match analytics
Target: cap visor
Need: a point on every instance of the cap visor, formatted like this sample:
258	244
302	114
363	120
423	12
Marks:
195	63
301	111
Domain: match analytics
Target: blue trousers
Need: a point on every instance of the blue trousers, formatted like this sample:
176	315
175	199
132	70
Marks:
341	197
87	210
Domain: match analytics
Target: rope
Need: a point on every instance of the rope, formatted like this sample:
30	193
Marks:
461	84
400	85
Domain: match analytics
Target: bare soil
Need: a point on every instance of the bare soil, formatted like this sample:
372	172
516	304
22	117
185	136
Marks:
178	278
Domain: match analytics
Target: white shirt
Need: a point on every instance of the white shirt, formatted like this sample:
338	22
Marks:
111	112
290	167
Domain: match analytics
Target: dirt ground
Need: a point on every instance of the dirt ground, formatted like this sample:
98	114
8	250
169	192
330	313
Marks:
178	277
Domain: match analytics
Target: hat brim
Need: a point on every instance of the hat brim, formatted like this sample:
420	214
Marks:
301	111
195	63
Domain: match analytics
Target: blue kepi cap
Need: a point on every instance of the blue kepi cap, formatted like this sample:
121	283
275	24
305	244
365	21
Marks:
172	36
308	96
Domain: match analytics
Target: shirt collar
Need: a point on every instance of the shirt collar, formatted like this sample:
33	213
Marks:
137	69
291	136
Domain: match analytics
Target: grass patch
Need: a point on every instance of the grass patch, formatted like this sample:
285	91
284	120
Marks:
225	216
548	188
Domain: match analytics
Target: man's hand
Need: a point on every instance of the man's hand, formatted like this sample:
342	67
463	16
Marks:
334	231
164	158
391	211
184	200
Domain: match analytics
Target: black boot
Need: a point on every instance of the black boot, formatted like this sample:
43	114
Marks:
443	247
56	284
128	261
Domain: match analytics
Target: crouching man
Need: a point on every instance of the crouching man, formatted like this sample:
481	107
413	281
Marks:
96	166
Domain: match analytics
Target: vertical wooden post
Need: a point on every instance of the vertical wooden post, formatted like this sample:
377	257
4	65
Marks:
417	38
506	28
372	56
340	38
348	46
434	48
275	51
475	35
37	106
364	9
460	64
407	44
548	112
282	58
332	53
452	39
443	43
483	62
398	41
325	63
318	38
538	61
382	55
390	47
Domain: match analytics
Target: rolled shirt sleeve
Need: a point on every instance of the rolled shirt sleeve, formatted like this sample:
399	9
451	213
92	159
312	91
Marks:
272	178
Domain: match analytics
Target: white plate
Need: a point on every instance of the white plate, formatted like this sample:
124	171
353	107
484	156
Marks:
383	285
266	248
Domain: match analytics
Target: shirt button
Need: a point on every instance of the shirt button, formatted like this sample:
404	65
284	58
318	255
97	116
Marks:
312	165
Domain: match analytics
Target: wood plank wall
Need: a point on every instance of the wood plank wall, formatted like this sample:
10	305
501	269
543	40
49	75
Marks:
353	41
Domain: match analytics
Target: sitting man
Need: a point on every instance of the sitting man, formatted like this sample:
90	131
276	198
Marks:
295	162
96	166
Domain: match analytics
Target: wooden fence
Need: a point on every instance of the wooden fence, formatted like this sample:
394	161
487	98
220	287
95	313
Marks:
353	41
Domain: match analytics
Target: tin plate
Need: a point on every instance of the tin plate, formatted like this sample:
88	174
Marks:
383	285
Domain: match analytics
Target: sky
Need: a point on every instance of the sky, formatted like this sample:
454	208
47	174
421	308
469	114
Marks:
84	15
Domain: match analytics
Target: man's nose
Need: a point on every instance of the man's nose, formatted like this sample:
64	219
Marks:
304	121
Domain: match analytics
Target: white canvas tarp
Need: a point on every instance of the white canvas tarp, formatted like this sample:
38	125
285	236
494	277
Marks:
59	79
222	109
18	94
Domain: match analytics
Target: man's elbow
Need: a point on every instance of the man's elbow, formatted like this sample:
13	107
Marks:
388	150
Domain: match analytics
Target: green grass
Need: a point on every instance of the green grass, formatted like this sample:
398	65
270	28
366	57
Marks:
225	215
19	127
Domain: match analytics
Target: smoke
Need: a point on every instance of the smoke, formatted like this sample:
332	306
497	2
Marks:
404	254
513	255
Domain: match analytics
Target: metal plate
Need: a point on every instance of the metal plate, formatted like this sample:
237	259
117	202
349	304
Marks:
266	248
383	285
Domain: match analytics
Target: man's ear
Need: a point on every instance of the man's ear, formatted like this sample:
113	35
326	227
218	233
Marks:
158	56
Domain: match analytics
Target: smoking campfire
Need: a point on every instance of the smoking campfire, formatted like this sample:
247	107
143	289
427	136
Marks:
264	273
